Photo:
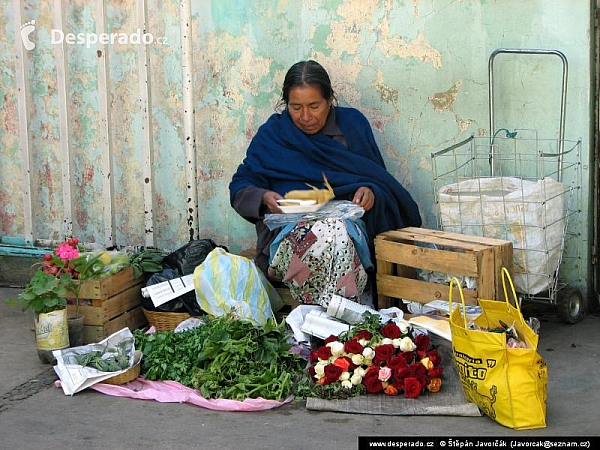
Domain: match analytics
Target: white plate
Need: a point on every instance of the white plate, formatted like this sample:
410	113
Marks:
301	208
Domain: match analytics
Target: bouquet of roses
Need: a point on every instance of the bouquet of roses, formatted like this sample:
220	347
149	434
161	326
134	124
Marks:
375	357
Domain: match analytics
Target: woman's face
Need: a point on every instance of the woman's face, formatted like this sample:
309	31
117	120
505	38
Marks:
308	108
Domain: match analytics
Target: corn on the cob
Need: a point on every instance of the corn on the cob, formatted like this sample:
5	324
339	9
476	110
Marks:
319	195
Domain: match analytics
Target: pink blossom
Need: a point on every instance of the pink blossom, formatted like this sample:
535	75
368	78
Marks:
385	373
65	251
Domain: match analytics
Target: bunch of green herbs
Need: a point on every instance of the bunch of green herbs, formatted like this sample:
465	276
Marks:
224	358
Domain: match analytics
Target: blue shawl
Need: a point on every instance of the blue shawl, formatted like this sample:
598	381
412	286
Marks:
281	158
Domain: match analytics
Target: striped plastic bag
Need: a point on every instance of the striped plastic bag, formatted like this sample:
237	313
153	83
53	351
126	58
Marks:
226	283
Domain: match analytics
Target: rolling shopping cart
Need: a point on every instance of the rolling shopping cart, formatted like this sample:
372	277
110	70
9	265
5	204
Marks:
517	186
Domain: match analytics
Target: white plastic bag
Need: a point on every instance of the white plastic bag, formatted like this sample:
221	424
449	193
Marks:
226	283
530	214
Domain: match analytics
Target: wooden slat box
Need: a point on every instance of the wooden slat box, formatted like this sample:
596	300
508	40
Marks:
109	304
398	254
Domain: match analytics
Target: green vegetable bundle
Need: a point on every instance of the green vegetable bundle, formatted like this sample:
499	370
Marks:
147	261
225	358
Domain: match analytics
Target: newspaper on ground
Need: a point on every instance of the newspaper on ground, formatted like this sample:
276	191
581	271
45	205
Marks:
340	316
75	377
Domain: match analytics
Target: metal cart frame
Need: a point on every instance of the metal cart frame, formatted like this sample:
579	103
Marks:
538	222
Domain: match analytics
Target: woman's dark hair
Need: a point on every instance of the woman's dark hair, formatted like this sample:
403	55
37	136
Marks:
306	73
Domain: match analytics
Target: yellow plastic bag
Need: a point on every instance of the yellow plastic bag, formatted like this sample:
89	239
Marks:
507	384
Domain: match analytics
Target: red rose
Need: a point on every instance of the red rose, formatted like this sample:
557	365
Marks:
412	387
343	362
396	361
423	380
373	385
434	357
391	331
418	368
363	334
332	372
383	352
401	373
408	356
331	338
313	357
372	371
398	384
353	347
311	371
436	372
324	352
422	342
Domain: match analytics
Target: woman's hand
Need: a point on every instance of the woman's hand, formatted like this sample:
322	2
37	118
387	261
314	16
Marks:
270	201
364	197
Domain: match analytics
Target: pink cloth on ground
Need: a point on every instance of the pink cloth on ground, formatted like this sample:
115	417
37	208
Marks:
174	392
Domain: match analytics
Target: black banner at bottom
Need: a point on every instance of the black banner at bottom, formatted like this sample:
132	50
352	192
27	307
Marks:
436	442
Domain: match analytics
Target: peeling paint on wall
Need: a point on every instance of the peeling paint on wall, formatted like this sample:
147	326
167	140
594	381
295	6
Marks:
417	70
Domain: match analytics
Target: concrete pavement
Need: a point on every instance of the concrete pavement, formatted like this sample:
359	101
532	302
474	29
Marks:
34	414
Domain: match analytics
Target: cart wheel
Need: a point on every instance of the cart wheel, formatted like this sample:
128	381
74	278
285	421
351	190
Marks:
571	305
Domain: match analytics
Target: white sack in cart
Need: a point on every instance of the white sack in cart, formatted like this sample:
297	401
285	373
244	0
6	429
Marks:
530	214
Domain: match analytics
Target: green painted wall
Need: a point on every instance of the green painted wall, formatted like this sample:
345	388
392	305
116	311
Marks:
417	69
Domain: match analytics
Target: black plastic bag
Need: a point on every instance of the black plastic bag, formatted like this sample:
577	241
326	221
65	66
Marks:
175	305
185	259
181	262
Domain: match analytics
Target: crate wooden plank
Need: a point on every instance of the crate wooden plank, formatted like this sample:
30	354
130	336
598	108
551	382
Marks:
133	319
399	253
464	264
503	254
441	240
458	237
418	290
106	287
97	311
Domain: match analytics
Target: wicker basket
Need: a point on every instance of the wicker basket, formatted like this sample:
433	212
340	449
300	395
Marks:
129	375
165	321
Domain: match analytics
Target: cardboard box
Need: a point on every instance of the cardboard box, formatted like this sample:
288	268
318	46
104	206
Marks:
400	252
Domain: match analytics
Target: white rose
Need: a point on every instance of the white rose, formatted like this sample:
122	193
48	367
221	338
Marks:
367	362
386	341
407	345
320	369
396	342
347	384
363	342
357	359
337	348
368	353
355	379
360	371
404	326
344	376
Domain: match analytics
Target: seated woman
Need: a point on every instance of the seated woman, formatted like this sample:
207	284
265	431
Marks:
310	139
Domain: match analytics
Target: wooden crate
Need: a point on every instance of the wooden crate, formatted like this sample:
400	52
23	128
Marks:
109	304
399	253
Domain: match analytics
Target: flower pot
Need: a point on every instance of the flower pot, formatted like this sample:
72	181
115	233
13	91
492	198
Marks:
75	330
51	333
